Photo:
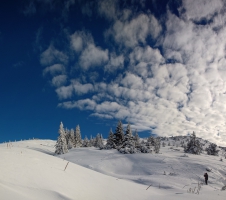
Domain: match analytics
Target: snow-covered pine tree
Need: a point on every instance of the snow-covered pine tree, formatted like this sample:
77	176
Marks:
193	146
66	134
163	144
136	139
157	145
128	144
61	144
70	139
110	141
212	149
119	135
98	141
85	142
91	141
182	143
151	141
78	138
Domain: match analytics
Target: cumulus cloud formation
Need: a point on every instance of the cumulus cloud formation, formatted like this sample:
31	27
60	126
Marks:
164	73
60	80
54	69
203	9
93	56
52	56
131	33
79	40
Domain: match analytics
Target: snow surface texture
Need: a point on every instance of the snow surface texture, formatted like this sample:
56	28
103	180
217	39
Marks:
29	171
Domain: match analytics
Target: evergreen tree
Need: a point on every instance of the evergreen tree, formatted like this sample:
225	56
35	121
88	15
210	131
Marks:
212	149
70	139
119	135
61	144
153	144
193	146
151	141
91	141
163	144
98	141
85	142
66	135
110	141
136	139
78	138
156	145
128	144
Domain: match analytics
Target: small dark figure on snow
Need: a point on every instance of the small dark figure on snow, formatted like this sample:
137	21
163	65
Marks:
206	178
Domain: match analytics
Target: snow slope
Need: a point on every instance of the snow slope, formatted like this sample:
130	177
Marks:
28	170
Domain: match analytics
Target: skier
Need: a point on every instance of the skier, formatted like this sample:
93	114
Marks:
206	178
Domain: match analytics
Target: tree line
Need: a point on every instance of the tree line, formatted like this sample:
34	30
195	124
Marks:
124	142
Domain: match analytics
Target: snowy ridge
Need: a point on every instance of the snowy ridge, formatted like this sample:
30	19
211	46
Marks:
30	171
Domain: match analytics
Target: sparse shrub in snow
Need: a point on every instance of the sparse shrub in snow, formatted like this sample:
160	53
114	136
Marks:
223	188
195	190
163	144
193	146
143	148
152	144
212	149
168	143
61	144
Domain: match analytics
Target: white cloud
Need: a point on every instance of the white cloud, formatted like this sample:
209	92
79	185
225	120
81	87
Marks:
108	8
132	33
65	92
198	10
86	104
146	54
115	62
173	88
132	81
52	56
93	56
30	9
54	69
79	40
58	81
75	88
81	89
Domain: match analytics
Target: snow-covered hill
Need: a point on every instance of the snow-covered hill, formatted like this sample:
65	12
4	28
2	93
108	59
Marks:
28	170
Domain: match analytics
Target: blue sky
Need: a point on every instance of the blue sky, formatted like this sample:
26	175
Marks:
159	65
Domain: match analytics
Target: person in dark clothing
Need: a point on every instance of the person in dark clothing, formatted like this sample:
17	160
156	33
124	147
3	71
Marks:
206	178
